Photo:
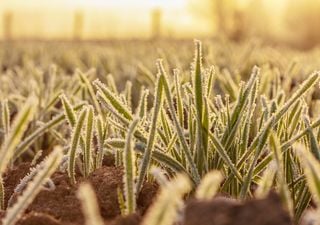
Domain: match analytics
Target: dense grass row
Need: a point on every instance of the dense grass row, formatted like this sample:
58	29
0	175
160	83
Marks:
225	135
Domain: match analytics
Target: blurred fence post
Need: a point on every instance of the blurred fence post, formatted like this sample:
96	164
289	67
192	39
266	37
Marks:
78	25
7	25
221	17
239	29
156	16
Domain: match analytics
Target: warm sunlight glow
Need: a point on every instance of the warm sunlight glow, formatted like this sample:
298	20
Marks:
128	3
126	19
99	18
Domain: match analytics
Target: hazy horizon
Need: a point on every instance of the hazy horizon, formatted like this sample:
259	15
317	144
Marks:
102	19
127	19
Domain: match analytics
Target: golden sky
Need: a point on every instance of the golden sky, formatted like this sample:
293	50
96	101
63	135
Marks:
105	18
54	18
91	3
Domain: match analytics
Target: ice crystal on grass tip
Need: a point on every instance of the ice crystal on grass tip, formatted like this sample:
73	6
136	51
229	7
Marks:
89	203
169	201
209	185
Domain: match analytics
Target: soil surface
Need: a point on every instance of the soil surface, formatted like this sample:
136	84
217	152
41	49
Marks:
225	211
61	206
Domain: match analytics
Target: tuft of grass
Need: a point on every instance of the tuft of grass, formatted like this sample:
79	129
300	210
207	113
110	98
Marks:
31	138
19	126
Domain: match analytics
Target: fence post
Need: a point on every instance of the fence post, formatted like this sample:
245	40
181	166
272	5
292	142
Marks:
7	25
78	25
156	17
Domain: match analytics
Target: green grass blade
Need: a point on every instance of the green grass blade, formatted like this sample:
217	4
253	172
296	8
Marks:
101	135
5	117
87	154
179	96
68	110
198	98
152	133
75	140
130	170
113	100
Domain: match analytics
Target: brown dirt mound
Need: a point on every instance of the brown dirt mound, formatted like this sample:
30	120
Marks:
108	160
105	182
224	211
147	196
63	206
61	203
12	178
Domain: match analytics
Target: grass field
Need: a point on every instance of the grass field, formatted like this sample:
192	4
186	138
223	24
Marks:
149	132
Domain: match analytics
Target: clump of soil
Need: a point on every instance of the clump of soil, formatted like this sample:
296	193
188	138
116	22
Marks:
12	178
108	160
105	182
225	211
62	203
147	196
61	206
